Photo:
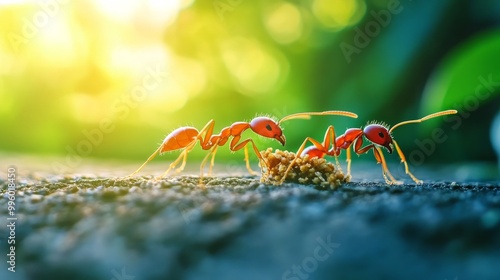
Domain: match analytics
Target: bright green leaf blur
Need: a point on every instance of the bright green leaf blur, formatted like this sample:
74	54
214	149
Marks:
470	72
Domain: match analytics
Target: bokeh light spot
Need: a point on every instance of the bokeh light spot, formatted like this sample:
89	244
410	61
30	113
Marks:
338	14
119	10
253	67
56	44
163	12
186	3
189	75
284	23
85	108
133	61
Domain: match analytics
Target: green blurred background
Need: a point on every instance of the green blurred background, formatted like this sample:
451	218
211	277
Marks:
110	79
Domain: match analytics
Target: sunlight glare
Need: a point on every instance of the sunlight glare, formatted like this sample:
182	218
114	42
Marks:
160	12
56	43
15	2
119	10
132	61
163	12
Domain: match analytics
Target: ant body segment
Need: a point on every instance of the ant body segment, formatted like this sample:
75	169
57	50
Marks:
186	138
378	135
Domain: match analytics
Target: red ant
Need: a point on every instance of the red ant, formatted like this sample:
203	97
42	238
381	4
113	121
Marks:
379	135
185	138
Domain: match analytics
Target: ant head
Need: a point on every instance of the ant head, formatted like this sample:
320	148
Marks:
379	135
268	127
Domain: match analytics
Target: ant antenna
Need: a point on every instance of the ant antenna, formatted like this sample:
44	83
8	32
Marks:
309	114
438	114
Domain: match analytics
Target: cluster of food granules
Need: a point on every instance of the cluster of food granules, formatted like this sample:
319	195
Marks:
315	171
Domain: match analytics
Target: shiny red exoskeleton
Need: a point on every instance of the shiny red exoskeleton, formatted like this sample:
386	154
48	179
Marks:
186	138
378	135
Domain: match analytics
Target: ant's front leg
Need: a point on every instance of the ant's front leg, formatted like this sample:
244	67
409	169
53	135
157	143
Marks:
233	146
403	160
203	162
379	156
348	160
319	146
247	163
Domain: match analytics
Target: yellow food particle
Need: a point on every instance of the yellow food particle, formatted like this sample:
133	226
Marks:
315	171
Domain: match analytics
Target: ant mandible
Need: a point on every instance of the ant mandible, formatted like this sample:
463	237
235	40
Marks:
185	138
377	134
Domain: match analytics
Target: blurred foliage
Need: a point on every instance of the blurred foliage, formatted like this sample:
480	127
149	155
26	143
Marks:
469	74
120	75
467	79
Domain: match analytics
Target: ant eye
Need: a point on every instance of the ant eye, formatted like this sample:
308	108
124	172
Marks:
381	135
268	127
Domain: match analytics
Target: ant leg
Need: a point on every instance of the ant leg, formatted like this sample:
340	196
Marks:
202	166
299	152
330	140
203	162
403	160
205	145
233	147
182	156
262	163
348	160
247	162
376	153
379	156
337	162
212	160
359	151
327	140
173	164
148	160
208	130
188	149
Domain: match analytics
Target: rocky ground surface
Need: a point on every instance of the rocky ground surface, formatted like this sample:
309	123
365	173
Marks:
98	226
